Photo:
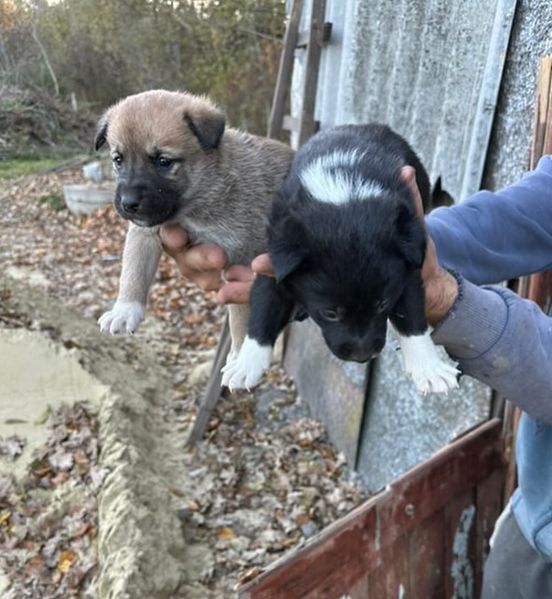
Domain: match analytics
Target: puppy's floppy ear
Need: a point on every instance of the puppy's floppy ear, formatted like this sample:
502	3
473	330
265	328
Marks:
207	123
410	237
286	246
101	131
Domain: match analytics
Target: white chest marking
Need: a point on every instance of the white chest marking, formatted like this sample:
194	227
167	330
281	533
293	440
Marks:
329	178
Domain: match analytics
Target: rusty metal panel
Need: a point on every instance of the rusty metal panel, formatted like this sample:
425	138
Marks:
401	538
427	559
489	507
460	541
392	577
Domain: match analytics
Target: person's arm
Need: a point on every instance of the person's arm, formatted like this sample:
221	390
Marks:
501	340
496	336
493	237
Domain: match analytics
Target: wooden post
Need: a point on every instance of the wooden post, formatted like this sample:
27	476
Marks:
214	387
285	70
537	287
314	49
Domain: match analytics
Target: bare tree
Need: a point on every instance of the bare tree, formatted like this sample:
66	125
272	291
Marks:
44	54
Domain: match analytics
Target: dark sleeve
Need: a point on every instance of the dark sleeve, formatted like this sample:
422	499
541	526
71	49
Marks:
503	341
493	237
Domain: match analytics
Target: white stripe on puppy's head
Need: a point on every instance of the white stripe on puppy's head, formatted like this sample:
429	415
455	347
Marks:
329	178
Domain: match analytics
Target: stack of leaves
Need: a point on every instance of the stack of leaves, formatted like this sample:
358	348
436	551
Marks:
32	122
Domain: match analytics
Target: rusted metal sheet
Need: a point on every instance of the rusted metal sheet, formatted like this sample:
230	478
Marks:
360	590
426	569
460	542
391	578
404	538
489	503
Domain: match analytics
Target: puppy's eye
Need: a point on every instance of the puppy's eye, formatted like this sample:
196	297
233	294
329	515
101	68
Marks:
163	162
329	314
117	159
383	306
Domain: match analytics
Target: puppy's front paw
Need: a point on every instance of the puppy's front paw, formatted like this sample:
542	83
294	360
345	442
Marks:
245	370
437	377
430	373
124	317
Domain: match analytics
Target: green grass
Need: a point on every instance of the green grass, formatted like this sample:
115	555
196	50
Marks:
54	200
25	166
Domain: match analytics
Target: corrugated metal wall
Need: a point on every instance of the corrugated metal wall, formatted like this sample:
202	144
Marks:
430	69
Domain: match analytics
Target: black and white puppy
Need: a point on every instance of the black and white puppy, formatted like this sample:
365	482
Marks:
347	250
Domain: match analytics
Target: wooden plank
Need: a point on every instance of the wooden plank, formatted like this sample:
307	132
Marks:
214	387
512	414
312	63
427	559
540	285
303	37
537	287
292	124
391	578
285	71
349	549
542	139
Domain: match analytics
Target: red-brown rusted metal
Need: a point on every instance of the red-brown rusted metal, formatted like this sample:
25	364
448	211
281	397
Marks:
402	539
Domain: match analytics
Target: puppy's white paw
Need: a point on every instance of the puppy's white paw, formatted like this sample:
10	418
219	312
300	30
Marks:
124	317
245	370
430	373
438	377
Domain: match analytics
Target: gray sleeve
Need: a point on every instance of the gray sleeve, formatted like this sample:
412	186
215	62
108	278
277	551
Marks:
503	341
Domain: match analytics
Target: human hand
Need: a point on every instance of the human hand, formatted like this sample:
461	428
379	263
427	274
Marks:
441	288
239	280
204	265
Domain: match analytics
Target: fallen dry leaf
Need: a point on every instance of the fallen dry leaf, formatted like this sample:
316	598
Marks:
249	575
226	534
66	560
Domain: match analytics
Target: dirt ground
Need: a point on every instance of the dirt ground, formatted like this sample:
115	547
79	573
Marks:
159	520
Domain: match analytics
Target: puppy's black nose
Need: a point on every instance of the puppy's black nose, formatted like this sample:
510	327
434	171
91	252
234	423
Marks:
130	202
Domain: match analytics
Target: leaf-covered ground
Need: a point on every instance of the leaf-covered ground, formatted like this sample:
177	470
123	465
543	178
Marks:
48	519
265	477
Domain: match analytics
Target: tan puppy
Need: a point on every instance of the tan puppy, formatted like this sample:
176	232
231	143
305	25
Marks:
175	162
